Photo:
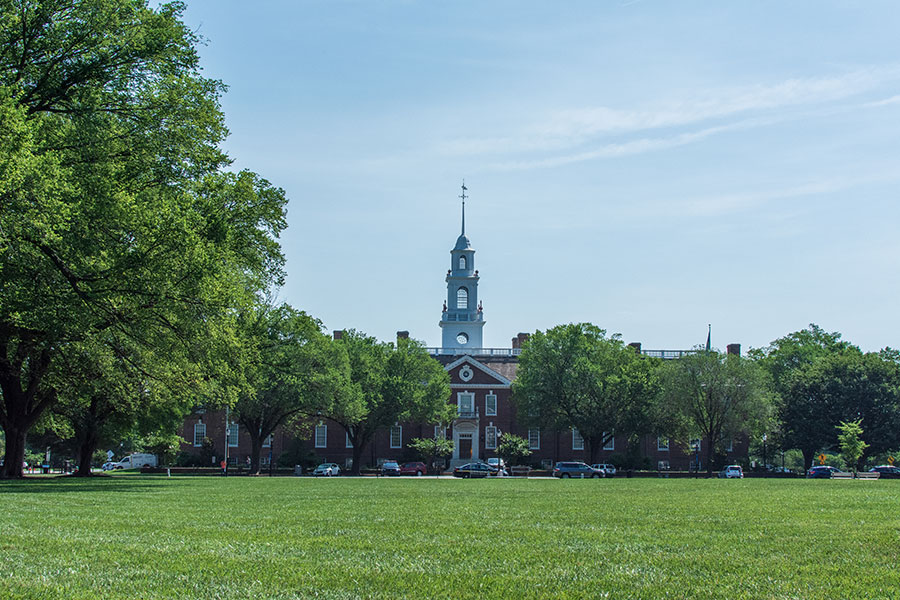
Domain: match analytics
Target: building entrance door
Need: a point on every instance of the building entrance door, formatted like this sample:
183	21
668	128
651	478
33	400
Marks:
465	446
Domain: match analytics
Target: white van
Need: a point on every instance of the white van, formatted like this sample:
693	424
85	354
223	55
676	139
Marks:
136	461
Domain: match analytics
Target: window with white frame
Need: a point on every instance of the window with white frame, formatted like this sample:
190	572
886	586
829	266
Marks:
199	434
264	460
232	435
729	445
462	298
466	403
267	443
440	432
490	405
695	445
462	263
577	440
534	439
347	442
396	436
321	438
662	444
662	465
610	443
490	437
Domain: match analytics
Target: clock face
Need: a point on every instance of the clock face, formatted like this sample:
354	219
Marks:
462	338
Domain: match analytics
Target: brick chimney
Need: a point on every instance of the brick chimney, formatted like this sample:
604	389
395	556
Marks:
636	346
338	334
734	349
402	335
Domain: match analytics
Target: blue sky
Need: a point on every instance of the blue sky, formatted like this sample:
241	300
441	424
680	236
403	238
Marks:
650	167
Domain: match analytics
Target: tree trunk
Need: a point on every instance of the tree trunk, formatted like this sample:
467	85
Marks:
15	452
593	445
709	457
21	405
358	448
255	452
86	450
809	455
360	439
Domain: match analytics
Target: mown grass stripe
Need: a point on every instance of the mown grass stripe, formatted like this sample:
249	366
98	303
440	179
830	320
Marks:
137	537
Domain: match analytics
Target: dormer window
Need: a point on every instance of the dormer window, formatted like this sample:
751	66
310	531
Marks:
462	263
462	298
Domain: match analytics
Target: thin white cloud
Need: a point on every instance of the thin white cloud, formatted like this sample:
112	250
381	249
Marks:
628	148
714	105
721	204
568	128
885	102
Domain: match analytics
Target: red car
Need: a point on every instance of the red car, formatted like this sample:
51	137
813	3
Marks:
413	468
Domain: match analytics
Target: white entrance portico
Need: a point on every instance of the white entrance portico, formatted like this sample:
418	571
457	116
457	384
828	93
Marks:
465	443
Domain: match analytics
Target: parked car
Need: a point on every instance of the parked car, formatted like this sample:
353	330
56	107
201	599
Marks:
108	466
496	463
608	469
472	470
576	469
327	470
887	471
822	472
732	472
390	468
413	468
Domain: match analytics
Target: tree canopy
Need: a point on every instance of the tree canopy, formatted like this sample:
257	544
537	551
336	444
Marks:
291	369
716	397
850	386
389	383
822	380
575	376
115	211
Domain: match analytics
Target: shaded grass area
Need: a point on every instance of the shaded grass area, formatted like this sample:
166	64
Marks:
150	537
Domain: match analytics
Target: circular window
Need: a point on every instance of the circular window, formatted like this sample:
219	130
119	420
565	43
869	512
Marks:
466	373
462	338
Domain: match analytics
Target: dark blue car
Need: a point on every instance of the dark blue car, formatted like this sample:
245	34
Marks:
887	471
821	472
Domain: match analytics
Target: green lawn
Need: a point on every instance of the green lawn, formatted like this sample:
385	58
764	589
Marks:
152	537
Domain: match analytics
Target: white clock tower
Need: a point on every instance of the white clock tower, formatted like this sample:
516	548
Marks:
462	319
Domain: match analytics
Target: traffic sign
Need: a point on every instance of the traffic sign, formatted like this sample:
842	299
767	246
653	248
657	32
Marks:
821	459
890	460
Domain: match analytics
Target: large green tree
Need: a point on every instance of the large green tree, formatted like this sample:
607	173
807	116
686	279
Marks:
115	213
711	396
390	383
292	369
801	420
849	386
110	389
576	376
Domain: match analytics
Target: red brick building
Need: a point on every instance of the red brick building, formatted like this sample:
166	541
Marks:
480	382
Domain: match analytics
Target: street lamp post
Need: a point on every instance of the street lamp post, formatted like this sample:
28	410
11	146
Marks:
227	431
765	437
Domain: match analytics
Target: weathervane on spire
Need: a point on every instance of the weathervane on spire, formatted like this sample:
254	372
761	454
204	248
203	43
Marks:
463	196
